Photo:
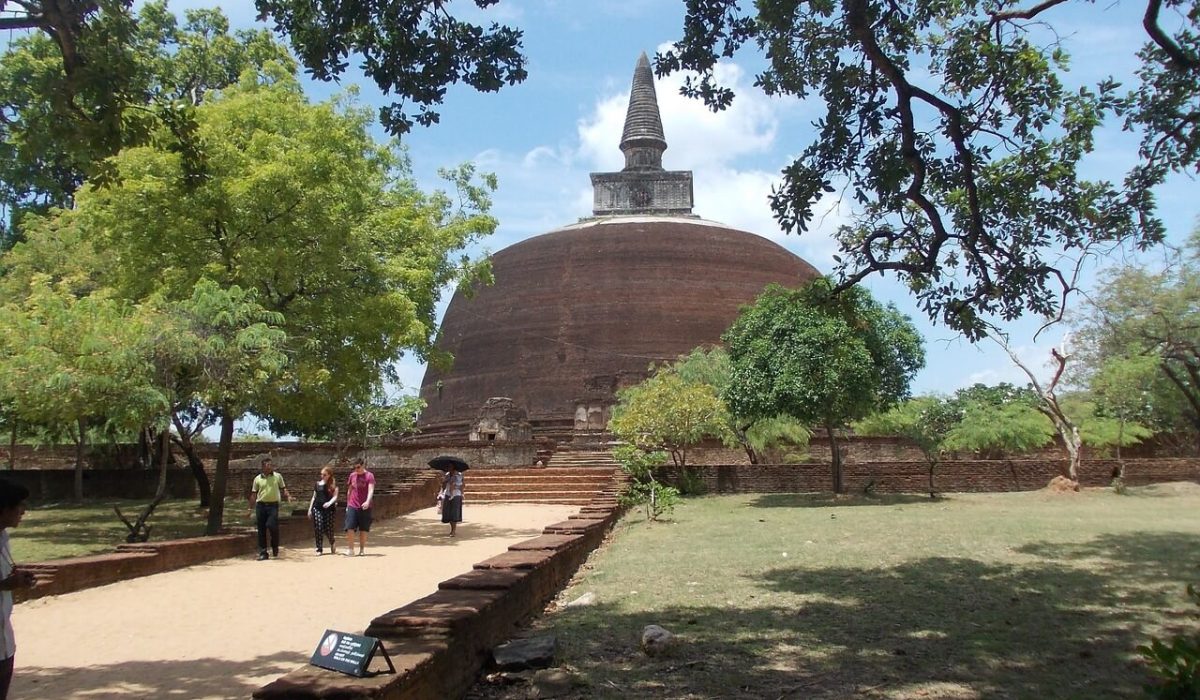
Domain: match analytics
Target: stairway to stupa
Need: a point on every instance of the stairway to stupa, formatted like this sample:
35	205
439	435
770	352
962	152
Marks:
565	486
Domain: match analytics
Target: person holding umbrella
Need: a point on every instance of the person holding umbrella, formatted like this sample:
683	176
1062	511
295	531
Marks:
452	489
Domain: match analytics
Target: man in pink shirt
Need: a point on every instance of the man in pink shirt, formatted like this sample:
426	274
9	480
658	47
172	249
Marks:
359	493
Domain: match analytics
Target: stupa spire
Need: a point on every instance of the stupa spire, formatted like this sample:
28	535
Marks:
643	141
642	187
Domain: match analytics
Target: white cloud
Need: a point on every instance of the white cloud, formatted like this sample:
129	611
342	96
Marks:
697	138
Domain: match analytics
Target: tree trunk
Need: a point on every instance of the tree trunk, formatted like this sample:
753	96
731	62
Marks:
1070	437
145	453
164	459
932	466
194	463
79	426
835	456
1120	439
12	446
216	509
743	439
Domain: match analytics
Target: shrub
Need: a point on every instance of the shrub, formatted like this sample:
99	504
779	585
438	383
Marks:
1175	662
644	489
658	499
690	483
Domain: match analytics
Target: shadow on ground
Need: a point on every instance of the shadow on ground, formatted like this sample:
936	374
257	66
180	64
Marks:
936	627
190	678
409	532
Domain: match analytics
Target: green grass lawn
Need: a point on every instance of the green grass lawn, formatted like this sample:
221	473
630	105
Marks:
58	530
1023	595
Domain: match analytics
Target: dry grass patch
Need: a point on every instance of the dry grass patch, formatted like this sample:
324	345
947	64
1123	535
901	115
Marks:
59	530
1022	595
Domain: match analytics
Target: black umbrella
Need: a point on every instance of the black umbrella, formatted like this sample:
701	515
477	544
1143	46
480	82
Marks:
446	463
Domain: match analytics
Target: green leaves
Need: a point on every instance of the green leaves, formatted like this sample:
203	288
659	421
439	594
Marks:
412	49
819	358
970	192
1176	662
668	412
299	269
1141	344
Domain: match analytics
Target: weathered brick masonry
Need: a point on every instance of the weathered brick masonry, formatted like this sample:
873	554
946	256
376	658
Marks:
950	476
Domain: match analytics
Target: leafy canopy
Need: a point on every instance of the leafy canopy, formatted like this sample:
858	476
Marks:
412	49
60	125
819	358
755	435
1139	342
954	131
302	209
666	412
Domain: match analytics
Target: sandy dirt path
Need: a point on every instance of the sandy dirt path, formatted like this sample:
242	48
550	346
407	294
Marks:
221	630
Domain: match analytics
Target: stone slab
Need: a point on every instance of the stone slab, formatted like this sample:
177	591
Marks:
485	580
517	560
442	610
551	542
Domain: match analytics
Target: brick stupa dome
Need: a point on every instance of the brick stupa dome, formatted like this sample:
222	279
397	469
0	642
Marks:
580	312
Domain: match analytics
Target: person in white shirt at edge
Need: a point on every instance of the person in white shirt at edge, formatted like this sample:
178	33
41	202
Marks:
12	509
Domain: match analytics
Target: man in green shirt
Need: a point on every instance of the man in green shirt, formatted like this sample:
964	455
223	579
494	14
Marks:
264	505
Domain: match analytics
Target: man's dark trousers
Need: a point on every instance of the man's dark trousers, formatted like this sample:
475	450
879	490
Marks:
267	518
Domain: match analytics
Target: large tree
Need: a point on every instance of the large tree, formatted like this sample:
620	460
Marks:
71	364
820	358
1141	311
412	49
952	127
58	127
301	209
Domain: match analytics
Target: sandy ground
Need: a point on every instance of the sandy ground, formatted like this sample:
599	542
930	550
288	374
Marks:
221	630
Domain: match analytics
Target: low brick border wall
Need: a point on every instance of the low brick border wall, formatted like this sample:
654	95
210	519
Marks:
134	560
951	476
440	643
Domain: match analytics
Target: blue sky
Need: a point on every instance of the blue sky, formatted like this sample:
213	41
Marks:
543	137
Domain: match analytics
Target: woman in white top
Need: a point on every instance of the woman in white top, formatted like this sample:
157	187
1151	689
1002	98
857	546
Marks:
452	488
12	509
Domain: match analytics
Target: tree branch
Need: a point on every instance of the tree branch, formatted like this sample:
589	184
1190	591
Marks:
998	17
1179	57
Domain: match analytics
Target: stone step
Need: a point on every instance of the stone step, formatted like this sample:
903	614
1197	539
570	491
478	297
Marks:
589	482
535	471
527	489
599	476
519	494
509	498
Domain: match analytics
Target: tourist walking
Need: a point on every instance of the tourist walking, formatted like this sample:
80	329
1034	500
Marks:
360	491
452	498
321	509
265	493
12	509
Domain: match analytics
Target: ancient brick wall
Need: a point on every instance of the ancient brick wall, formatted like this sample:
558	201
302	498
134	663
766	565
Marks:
949	476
